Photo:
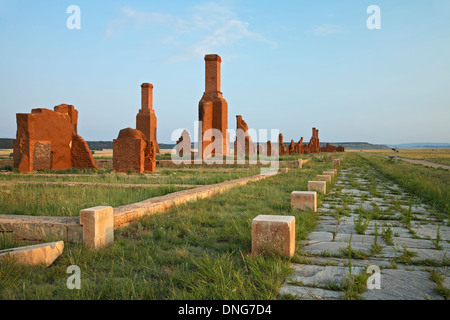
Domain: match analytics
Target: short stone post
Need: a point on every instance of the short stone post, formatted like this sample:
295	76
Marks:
300	163
273	234
304	200
330	173
337	162
324	177
320	186
98	227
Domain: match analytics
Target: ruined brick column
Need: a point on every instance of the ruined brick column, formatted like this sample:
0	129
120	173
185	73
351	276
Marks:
146	118
300	146
247	144
213	109
317	140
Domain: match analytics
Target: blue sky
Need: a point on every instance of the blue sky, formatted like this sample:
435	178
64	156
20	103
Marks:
287	65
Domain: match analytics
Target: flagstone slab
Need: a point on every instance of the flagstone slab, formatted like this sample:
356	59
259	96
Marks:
355	192
322	275
430	231
320	236
305	293
359	238
404	285
343	262
430	254
413	243
334	248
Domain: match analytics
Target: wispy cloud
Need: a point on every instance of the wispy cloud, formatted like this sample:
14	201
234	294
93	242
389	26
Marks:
204	29
327	29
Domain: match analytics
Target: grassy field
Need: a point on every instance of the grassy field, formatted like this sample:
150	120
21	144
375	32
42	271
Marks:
196	251
193	176
68	200
55	200
5	153
441	156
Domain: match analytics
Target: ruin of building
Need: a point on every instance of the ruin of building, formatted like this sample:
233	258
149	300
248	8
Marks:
48	140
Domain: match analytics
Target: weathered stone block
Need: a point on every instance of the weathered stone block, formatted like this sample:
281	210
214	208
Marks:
323	177
330	173
98	227
320	186
304	200
300	163
38	254
273	234
337	162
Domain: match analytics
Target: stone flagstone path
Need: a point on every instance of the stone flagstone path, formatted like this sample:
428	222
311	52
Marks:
405	230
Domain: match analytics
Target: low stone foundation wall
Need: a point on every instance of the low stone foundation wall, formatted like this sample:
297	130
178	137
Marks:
34	228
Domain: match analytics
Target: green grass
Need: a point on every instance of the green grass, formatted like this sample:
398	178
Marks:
7	241
54	200
165	176
439	280
201	250
387	236
360	223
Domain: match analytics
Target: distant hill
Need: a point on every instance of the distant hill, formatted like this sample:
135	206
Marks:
420	145
6	143
99	145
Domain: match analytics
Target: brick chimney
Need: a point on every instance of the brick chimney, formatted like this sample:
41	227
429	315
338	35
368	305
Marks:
212	73
146	96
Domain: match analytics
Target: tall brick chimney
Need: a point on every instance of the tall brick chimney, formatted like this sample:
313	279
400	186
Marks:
146	96
146	118
213	109
212	73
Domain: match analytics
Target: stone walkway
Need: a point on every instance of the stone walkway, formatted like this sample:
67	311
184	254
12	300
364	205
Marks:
400	238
